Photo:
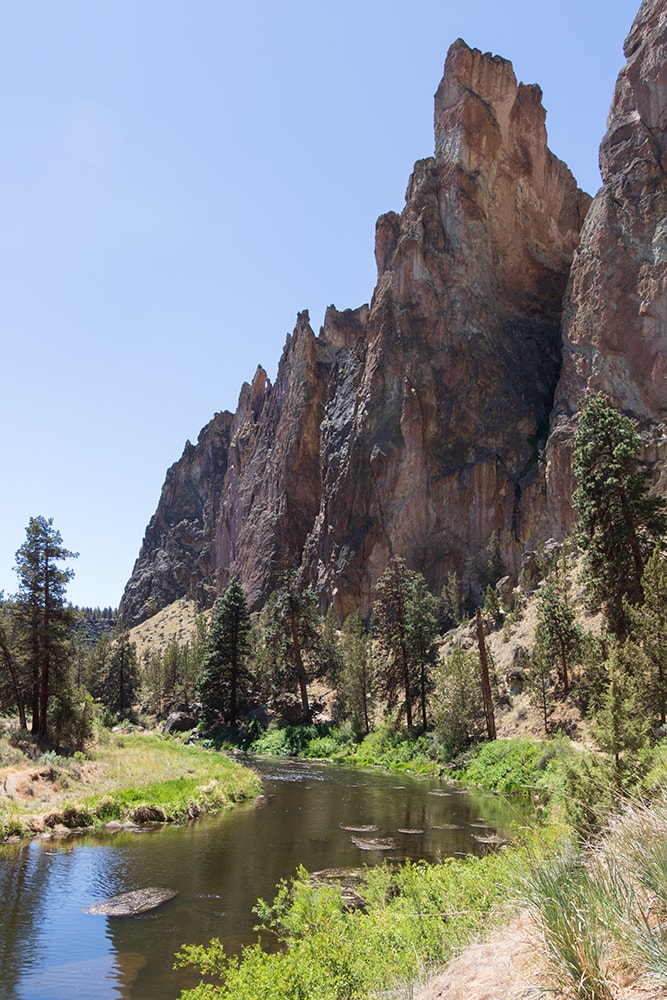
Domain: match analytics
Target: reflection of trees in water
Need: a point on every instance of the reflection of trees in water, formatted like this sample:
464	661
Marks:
22	871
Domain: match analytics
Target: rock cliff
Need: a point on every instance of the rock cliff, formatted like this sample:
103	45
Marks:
418	426
615	308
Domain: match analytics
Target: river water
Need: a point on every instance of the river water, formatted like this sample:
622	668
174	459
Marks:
219	866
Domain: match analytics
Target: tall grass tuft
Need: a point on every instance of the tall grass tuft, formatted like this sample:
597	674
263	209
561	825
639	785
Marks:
561	897
630	870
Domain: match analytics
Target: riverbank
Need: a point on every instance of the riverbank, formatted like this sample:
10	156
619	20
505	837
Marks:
127	778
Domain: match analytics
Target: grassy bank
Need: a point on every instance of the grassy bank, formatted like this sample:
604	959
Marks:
132	777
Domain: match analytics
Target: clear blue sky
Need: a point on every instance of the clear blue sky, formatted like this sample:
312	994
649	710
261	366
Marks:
179	179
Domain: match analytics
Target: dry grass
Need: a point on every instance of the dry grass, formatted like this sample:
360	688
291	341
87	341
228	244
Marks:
176	621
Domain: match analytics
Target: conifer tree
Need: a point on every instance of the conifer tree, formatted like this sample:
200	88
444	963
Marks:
355	682
121	683
647	643
43	616
619	521
459	715
294	634
422	632
621	727
224	674
539	682
390	614
559	633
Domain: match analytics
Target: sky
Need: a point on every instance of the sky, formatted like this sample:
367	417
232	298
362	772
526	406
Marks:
179	180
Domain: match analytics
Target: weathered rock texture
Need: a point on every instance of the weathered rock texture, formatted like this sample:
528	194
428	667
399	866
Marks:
418	426
615	310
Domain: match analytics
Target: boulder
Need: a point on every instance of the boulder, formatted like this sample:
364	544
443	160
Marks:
131	904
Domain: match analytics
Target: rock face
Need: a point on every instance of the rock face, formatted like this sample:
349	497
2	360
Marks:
615	310
440	445
417	427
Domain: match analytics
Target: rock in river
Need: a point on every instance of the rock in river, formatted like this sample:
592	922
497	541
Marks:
130	904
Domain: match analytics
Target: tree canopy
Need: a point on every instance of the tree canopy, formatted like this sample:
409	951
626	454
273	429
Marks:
619	520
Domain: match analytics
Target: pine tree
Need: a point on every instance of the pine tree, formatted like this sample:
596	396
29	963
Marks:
224	675
559	633
44	619
390	614
422	633
647	643
459	716
295	634
619	521
621	727
539	683
121	683
355	682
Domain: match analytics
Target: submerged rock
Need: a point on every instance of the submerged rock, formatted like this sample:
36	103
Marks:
374	843
131	904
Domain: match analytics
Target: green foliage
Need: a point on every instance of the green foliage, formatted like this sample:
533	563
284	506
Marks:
647	642
414	918
606	908
224	677
619	521
517	765
584	791
492	605
561	896
406	627
451	600
355	682
290	634
119	685
495	568
590	687
459	707
539	682
621	727
558	633
43	623
397	750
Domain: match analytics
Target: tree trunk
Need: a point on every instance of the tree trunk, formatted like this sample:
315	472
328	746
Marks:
563	661
486	683
44	679
408	693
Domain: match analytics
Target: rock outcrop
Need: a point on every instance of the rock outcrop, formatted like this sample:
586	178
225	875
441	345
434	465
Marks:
418	426
615	310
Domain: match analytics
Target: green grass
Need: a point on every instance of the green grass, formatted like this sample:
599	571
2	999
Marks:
138	778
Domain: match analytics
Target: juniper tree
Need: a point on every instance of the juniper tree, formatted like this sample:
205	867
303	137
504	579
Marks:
619	520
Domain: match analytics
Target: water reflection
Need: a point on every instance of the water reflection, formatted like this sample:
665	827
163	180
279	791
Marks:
49	950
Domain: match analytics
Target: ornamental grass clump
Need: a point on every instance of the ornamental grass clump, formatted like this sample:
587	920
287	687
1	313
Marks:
575	940
630	868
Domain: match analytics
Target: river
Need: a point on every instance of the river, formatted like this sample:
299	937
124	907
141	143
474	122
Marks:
219	866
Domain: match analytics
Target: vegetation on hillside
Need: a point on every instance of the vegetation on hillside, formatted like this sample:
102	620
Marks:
417	685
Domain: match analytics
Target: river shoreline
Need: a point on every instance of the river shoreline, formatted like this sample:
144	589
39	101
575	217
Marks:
129	781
